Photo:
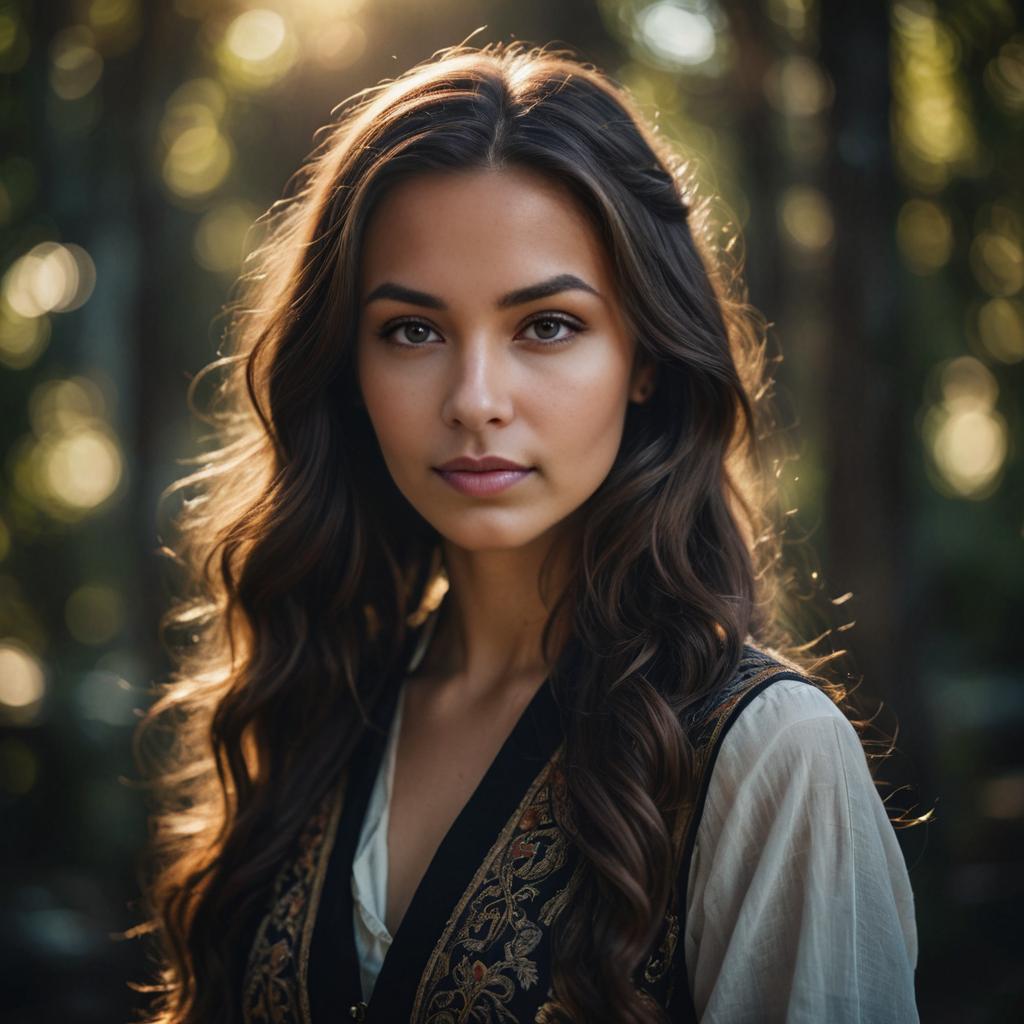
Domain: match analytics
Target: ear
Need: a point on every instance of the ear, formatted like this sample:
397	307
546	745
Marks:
643	377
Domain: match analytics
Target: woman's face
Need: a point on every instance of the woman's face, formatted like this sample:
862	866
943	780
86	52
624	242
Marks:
456	357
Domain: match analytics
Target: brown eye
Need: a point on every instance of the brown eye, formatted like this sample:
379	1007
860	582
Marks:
547	327
413	333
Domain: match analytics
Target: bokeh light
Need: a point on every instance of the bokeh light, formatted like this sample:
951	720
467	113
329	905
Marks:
14	41
61	405
998	263
338	44
1004	76
677	34
796	86
258	49
1000	328
197	161
933	132
22	683
79	471
72	463
806	218
104	696
793	16
22	338
50	277
75	64
925	235
117	24
219	243
197	154
965	435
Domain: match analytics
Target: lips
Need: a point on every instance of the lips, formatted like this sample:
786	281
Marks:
496	476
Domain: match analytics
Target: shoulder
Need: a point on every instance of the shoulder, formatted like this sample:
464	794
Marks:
797	891
790	735
786	719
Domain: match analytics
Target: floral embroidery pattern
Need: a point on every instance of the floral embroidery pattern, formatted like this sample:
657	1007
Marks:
275	979
489	949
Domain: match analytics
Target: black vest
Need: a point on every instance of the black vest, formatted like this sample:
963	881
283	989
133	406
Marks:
475	940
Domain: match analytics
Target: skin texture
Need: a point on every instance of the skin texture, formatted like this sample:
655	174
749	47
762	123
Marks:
483	382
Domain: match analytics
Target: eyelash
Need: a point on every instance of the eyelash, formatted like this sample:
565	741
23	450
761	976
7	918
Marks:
577	328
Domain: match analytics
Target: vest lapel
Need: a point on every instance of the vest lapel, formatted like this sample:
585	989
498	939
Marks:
479	830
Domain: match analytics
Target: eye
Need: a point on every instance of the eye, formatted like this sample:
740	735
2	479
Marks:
547	321
414	339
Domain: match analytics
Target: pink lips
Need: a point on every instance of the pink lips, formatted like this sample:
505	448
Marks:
479	477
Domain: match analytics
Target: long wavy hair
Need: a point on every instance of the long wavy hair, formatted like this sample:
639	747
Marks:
305	571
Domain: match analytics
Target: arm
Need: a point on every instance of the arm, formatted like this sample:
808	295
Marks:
799	903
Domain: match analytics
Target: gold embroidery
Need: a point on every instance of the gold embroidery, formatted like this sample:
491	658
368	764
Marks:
484	953
661	959
487	951
275	992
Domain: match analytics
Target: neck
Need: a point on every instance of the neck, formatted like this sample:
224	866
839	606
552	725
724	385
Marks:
492	618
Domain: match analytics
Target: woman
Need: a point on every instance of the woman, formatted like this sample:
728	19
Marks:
479	718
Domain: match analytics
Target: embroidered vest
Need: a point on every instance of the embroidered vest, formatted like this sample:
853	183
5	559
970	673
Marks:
475	941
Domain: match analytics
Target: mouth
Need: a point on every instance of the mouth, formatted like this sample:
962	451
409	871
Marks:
481	483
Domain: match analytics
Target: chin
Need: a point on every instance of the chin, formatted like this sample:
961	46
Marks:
490	529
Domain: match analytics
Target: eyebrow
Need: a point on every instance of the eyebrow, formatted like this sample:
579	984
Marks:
540	290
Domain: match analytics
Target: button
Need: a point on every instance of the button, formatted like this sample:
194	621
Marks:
357	1011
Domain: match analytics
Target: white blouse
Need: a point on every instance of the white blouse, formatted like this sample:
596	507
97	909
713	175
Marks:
799	905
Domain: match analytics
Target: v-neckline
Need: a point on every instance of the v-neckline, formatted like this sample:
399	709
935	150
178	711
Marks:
532	741
427	903
391	768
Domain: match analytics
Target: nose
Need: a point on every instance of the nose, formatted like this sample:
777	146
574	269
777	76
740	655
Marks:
479	385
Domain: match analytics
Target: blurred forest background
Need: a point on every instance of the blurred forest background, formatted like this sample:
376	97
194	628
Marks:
872	157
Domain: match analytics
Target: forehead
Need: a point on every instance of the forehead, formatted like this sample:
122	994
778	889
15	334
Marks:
481	231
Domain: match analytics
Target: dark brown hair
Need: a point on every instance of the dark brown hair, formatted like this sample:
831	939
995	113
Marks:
305	562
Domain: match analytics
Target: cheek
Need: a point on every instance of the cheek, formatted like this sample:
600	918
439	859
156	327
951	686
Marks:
394	407
581	414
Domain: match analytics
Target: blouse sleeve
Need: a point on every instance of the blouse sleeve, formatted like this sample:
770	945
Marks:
799	905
